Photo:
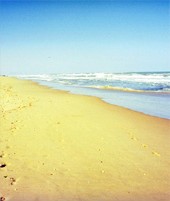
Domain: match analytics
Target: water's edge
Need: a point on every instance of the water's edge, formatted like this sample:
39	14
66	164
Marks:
148	103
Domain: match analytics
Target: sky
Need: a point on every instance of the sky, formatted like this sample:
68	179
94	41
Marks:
38	37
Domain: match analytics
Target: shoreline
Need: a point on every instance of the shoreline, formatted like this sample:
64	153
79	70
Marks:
103	101
69	90
62	146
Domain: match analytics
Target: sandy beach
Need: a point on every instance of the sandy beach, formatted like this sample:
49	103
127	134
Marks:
57	146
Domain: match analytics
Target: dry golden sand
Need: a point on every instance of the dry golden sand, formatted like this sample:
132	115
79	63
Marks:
56	146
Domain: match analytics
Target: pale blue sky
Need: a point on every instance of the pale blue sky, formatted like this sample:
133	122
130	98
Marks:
84	36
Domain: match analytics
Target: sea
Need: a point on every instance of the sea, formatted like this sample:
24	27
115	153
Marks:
146	92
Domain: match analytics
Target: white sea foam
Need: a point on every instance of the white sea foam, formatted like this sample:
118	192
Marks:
135	81
164	77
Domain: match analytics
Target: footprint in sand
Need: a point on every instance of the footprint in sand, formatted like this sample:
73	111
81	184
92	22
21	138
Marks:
30	104
21	107
2	155
13	127
2	198
12	181
132	137
2	165
144	145
156	154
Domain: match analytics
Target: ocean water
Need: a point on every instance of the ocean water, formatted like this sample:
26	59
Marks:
146	92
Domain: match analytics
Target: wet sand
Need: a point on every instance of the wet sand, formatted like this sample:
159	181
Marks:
56	146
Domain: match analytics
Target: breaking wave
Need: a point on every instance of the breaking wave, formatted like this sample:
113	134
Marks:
153	81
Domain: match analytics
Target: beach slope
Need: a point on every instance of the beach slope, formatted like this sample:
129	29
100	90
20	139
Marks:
56	146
